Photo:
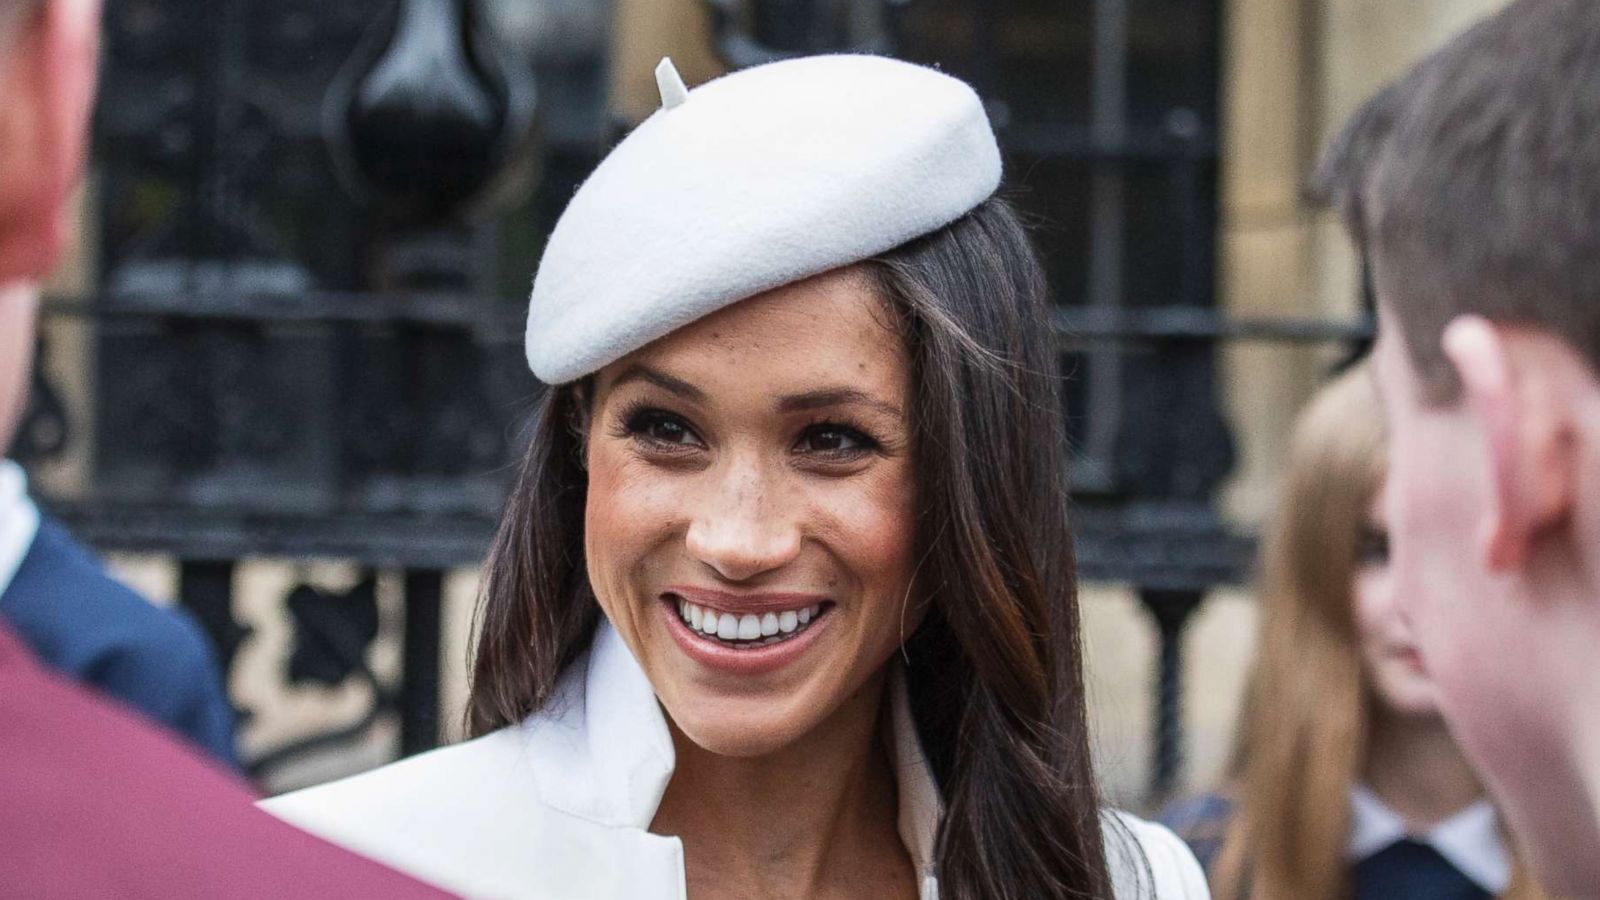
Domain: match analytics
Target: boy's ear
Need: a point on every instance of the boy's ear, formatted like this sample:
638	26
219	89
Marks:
1527	423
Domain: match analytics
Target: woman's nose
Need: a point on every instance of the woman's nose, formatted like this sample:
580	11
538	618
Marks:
741	529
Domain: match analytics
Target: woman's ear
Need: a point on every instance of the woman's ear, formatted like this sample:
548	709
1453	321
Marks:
1511	386
580	416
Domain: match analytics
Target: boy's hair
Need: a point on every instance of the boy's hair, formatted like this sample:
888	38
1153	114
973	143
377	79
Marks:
1472	184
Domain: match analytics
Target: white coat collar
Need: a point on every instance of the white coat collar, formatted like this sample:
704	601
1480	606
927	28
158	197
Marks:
19	521
601	750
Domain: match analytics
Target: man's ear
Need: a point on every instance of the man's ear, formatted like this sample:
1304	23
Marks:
1529	431
19	304
70	48
49	81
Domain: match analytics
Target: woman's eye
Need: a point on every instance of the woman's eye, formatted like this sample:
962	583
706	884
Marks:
662	428
834	439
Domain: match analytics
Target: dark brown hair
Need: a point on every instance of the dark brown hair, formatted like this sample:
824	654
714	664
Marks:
995	668
1472	184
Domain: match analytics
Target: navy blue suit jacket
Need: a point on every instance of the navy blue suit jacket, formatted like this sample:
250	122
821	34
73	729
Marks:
80	621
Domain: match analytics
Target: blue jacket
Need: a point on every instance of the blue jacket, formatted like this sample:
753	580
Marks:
80	621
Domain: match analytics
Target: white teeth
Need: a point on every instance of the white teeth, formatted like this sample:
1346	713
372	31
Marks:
763	628
749	627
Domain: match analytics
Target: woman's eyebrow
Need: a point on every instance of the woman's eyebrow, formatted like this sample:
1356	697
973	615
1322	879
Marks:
835	397
640	372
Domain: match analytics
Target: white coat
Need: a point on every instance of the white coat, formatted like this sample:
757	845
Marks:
560	806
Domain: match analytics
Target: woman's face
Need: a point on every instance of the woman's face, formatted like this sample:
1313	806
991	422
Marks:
751	510
1388	649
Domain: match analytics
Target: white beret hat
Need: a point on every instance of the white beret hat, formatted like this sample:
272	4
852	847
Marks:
751	181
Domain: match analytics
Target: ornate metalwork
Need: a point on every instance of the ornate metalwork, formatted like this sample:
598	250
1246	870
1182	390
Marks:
332	634
45	429
299	327
1171	611
237	197
428	110
749	34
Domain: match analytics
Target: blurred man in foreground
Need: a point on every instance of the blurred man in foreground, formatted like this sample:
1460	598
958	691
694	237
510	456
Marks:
54	594
93	802
1472	185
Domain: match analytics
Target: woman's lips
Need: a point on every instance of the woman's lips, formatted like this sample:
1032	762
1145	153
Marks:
763	633
738	604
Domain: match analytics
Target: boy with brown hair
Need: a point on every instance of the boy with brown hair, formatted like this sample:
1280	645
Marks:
1472	187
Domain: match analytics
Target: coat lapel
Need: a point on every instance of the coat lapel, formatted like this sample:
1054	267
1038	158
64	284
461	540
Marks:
601	751
921	809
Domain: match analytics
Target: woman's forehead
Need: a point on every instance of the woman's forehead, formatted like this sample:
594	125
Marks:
830	329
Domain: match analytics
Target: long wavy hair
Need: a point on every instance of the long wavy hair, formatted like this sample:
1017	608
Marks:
1302	741
996	666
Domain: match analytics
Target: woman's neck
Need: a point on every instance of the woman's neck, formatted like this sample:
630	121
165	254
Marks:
1416	768
817	818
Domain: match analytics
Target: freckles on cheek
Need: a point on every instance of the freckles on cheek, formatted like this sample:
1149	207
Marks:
628	513
877	525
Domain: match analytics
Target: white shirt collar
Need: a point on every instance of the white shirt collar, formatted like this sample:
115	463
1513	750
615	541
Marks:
19	521
1470	840
602	750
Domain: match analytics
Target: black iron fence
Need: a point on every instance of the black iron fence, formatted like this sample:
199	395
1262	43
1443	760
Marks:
315	250
1171	553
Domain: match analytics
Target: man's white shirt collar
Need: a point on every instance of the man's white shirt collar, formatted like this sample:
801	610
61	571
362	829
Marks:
1470	840
19	521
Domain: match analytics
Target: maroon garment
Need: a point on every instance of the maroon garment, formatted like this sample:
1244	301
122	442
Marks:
96	803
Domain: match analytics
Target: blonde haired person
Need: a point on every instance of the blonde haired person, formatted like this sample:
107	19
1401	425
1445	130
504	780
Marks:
1345	781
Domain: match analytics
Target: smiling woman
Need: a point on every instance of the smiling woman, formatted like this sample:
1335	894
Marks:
739	481
783	602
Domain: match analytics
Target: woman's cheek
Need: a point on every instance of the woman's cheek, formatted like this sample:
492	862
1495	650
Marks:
890	512
634	521
623	519
877	529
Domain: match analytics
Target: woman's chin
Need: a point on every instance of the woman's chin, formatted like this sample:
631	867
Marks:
739	728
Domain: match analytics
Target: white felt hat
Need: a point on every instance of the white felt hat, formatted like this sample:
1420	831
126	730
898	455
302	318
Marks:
751	181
